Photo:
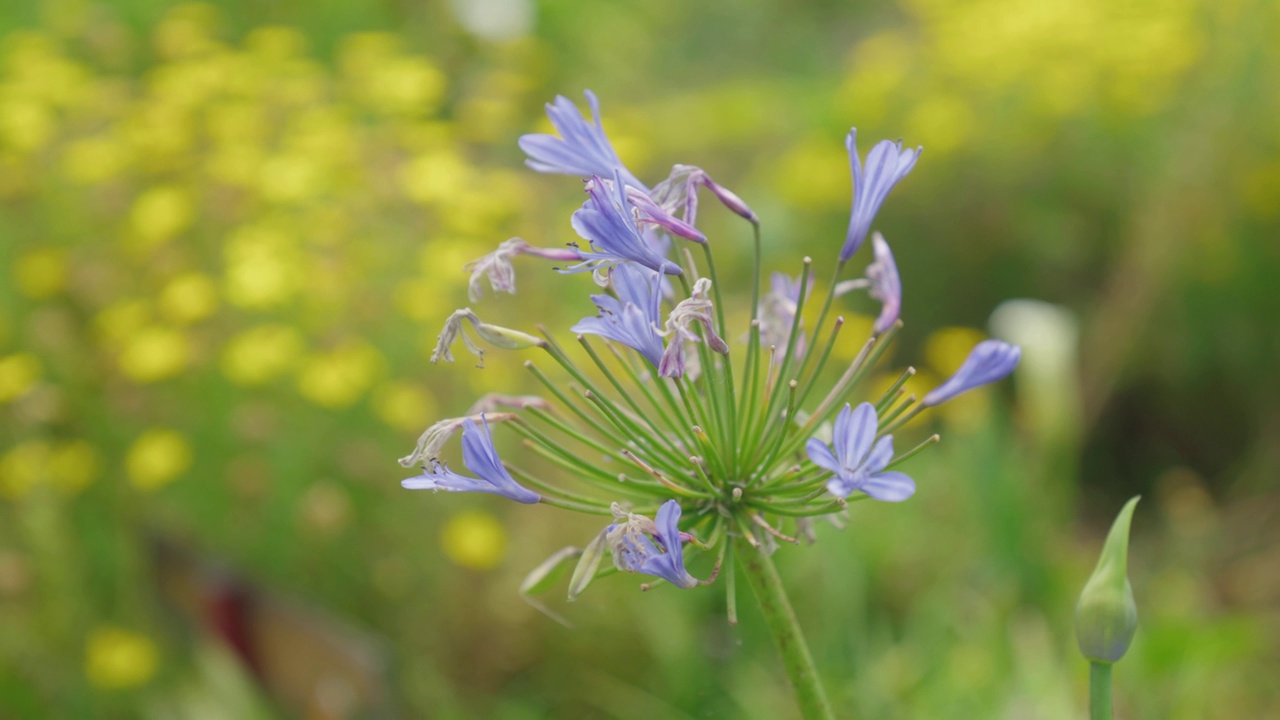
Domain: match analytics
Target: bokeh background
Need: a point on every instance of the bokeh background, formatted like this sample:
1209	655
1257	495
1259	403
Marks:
230	231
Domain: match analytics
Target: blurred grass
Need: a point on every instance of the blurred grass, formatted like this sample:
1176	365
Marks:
229	232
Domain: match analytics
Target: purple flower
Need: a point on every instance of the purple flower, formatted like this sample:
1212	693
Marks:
652	213
582	148
885	284
607	221
480	457
632	317
989	361
857	465
634	552
887	163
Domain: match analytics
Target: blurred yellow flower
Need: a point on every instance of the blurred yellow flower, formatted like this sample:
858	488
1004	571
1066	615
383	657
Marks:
474	539
116	658
120	320
161	213
420	299
189	298
73	465
41	273
291	177
156	458
25	125
94	160
261	353
18	374
438	177
940	122
263	267
338	378
154	353
404	406
407	85
186	30
22	468
814	175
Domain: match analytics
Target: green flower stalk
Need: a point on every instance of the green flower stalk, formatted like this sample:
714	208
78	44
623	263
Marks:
701	453
1106	615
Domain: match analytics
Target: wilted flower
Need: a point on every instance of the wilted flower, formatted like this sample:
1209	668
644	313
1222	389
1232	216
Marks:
497	265
887	163
885	284
989	361
495	334
679	193
582	148
858	466
694	309
480	457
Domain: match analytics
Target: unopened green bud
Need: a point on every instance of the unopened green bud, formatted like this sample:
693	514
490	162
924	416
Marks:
1106	616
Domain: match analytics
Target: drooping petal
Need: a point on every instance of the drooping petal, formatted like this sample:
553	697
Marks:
887	163
989	361
670	564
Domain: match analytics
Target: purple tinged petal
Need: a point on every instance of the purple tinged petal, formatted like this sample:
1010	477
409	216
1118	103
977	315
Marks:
989	361
729	199
880	456
607	221
889	486
821	455
886	286
480	457
670	564
582	149
632	318
859	432
887	164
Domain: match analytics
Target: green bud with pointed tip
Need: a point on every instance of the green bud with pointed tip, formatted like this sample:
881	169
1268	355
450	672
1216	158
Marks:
1106	615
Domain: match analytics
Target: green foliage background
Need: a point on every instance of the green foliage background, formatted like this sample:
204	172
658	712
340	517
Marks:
229	232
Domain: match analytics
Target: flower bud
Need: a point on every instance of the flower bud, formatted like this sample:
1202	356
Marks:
1106	615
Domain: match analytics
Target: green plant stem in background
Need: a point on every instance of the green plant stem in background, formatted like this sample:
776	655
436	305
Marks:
1099	691
758	568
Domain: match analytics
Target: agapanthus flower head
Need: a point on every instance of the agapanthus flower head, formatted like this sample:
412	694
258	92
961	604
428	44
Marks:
494	334
497	267
679	194
989	361
692	429
628	538
858	460
607	220
887	163
582	149
885	285
632	317
480	457
695	309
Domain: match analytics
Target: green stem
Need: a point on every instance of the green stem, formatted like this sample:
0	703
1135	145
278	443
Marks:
1099	691
763	578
